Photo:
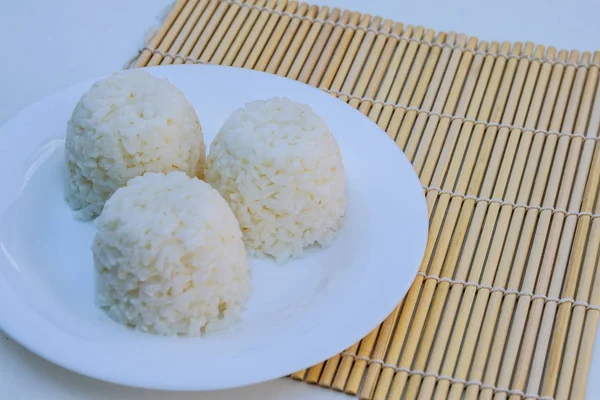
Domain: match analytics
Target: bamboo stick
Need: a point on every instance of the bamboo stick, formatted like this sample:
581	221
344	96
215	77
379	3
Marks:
377	62
224	38
424	301
328	43
299	375
317	49
447	229
314	373
410	347
585	351
383	336
157	38
308	43
287	38
585	257
409	303
380	347
228	21
192	37
476	71
408	91
477	253
521	193
588	266
211	27
239	26
390	80
267	32
364	350
201	29
484	187
359	59
385	112
458	81
182	35
515	342
437	163
437	126
339	53
448	66
474	253
249	41
414	122
237	40
442	172
405	319
417	66
450	155
369	342
390	64
465	261
357	38
501	334
168	44
374	84
359	69
294	47
341	373
569	289
415	97
547	264
278	33
541	351
591	320
329	49
430	121
326	379
444	136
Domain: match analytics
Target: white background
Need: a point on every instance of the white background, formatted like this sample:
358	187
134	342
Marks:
51	44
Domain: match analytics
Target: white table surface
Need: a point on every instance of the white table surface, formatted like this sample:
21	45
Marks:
51	44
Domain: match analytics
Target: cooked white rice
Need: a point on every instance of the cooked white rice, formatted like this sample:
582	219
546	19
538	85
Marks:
169	257
281	171
125	125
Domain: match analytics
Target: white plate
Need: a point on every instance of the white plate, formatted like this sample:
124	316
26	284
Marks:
300	313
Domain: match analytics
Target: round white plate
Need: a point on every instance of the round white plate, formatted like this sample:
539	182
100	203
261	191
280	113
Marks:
300	313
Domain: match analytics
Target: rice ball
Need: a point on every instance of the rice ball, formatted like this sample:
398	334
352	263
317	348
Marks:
280	169
169	257
125	125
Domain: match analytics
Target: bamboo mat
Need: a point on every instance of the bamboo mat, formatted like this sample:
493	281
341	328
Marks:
504	137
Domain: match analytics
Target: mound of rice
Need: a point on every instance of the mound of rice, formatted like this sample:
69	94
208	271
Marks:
280	169
125	125
169	257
